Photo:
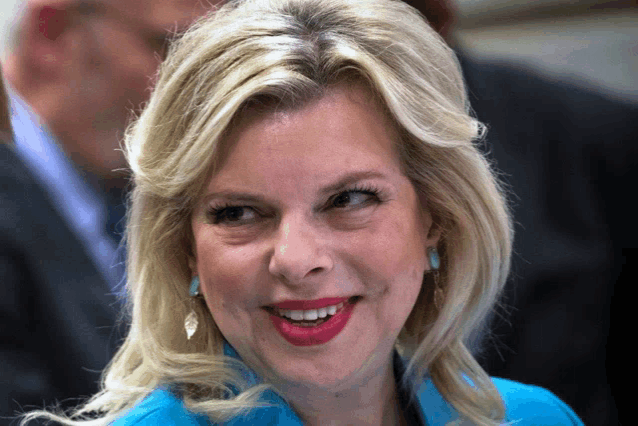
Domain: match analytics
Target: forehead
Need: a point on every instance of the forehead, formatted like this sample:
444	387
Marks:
344	129
162	15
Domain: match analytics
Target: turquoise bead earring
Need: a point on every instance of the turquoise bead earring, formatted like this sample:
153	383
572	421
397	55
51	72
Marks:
435	264
194	290
190	324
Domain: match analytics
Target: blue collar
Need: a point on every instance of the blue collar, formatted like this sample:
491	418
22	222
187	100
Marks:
275	411
524	403
426	407
529	404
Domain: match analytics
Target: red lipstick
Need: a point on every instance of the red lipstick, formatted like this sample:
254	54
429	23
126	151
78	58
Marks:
309	336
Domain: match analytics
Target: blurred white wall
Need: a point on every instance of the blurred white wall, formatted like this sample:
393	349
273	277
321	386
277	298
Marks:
590	43
10	13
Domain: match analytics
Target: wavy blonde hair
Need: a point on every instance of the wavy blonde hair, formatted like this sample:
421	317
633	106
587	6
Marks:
283	54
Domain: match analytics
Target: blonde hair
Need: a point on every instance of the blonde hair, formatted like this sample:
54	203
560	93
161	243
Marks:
282	54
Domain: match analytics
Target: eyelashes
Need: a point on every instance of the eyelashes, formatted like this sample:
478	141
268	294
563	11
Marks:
351	200
232	214
364	194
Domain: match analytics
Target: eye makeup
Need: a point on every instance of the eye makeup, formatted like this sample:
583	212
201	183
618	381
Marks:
237	212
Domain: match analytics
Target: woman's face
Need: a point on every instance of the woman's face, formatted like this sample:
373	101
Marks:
310	214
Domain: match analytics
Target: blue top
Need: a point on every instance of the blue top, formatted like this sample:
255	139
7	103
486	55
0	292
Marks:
525	406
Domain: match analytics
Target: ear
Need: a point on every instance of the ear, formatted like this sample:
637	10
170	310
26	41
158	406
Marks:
432	226
192	265
52	22
45	38
434	234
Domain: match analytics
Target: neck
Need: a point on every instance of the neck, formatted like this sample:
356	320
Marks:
372	402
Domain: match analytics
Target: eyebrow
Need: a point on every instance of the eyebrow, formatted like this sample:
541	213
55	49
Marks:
235	196
341	183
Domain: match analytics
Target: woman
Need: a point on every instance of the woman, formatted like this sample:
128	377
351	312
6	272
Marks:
313	235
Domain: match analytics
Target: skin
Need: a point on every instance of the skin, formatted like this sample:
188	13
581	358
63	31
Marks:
84	74
300	239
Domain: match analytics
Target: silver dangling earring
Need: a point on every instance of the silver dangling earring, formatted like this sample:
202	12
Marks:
190	323
435	264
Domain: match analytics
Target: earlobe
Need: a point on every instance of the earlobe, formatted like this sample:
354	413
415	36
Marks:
434	234
431	224
432	228
44	38
192	264
52	22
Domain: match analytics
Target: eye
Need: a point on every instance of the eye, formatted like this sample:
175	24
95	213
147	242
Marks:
355	198
233	215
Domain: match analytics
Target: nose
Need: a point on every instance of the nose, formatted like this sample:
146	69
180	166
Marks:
299	253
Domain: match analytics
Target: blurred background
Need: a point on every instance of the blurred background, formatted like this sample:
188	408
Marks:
591	43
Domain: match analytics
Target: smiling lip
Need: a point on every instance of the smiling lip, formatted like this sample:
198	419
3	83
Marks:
322	333
300	305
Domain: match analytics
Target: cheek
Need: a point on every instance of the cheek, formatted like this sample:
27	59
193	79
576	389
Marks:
133	67
393	248
229	276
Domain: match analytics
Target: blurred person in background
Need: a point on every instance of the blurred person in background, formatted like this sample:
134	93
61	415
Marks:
6	134
569	155
75	71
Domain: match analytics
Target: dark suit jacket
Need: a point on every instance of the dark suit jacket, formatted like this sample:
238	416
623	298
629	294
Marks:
56	315
569	156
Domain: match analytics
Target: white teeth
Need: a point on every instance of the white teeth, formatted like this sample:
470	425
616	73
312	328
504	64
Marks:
310	315
296	315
